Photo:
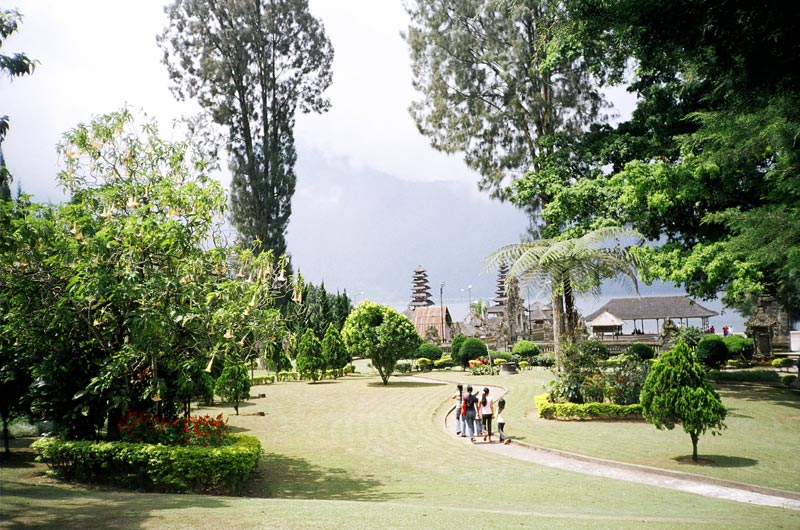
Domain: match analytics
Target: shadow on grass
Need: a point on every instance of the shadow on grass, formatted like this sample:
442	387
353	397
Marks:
406	384
69	507
284	477
775	395
716	461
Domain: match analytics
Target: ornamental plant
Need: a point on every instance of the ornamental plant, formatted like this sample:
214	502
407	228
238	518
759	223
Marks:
140	427
677	391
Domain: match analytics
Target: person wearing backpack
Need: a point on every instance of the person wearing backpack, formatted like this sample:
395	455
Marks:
470	412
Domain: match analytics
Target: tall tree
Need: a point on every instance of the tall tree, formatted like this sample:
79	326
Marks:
15	65
494	87
710	158
252	65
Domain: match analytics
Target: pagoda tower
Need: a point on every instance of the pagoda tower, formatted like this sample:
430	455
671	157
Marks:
420	290
501	298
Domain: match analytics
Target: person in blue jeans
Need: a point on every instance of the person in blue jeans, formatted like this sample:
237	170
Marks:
470	412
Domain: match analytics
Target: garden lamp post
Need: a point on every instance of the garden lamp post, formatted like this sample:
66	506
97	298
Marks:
441	307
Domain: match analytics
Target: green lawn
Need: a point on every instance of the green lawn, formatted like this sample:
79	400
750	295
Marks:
756	448
353	453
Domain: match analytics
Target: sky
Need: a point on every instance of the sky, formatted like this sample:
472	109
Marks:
96	56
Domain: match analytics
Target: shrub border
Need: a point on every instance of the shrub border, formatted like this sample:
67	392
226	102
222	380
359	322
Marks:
163	468
586	411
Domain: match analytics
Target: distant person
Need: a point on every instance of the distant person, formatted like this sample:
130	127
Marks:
486	411
501	422
730	330
712	330
724	331
459	396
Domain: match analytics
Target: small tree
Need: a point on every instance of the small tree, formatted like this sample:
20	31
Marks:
334	352
677	391
455	345
381	334
310	361
233	384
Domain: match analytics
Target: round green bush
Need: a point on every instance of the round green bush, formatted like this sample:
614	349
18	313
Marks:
526	349
424	365
788	379
402	367
739	346
472	349
712	351
642	351
594	349
455	344
429	351
783	362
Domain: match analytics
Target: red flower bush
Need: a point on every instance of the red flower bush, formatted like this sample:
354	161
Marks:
139	427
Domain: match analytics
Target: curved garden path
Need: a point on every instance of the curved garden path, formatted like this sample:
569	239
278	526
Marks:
676	480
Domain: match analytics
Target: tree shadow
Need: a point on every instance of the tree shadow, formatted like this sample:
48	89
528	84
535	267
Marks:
283	477
407	384
716	461
780	396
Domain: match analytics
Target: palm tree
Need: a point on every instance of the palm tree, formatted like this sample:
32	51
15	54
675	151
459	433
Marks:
569	265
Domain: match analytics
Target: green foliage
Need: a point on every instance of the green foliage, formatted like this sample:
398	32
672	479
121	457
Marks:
403	367
641	351
429	351
381	334
264	379
788	379
424	365
783	362
747	376
712	351
132	292
334	352
578	365
625	384
677	391
443	363
586	411
471	349
526	349
233	384
524	365
455	345
310	361
252	66
165	468
739	346
544	359
689	335
594	349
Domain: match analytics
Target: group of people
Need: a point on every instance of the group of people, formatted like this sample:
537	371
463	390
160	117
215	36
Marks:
474	414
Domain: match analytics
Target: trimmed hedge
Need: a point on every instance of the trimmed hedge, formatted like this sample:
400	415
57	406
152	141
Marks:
162	468
586	411
264	379
745	376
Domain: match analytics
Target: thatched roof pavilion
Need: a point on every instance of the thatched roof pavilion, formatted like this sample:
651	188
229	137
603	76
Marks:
658	308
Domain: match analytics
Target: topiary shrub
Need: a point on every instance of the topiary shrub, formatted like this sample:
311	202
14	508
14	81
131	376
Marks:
429	351
739	346
594	349
788	379
526	349
745	376
524	365
472	349
712	351
546	359
402	367
783	362
424	365
443	363
455	344
642	351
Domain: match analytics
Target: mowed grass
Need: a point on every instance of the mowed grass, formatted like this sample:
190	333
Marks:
757	447
354	453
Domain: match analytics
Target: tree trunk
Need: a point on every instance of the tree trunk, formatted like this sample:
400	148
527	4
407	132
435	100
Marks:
558	320
695	438
6	449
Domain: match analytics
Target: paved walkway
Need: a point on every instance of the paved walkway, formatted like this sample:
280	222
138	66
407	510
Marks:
662	478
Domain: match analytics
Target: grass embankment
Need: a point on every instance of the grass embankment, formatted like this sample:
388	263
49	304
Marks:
354	453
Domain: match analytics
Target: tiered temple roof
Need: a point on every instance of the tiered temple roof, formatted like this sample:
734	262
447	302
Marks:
420	290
